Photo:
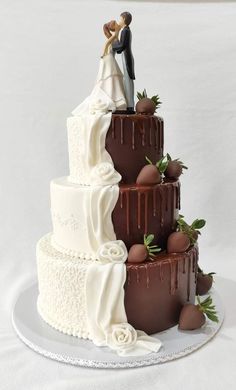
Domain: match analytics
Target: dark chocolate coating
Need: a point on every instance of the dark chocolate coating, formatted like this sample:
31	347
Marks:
132	137
149	174
204	283
145	106
174	170
178	242
149	209
155	292
191	318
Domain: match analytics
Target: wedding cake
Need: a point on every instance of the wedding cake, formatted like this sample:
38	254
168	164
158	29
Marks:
120	262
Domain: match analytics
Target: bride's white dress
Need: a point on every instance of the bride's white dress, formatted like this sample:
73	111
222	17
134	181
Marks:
104	287
109	86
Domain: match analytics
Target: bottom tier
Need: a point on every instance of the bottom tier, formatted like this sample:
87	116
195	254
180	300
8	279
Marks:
154	291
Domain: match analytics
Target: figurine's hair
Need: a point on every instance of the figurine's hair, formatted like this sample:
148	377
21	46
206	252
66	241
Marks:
127	17
108	27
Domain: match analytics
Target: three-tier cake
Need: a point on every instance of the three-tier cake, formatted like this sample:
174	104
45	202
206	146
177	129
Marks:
120	263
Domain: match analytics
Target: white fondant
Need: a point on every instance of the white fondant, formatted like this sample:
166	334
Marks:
61	279
104	174
88	127
86	141
81	216
85	298
112	251
106	314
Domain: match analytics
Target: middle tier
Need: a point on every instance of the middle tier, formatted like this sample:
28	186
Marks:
149	209
139	210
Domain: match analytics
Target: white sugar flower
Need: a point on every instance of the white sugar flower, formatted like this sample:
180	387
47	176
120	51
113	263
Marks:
104	173
121	336
99	105
112	252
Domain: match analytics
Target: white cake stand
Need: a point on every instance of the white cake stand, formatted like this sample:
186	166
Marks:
42	338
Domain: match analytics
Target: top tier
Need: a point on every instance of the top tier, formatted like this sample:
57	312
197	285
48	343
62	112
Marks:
128	140
132	137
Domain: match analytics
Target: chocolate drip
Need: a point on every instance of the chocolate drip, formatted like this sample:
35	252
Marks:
147	276
133	135
162	134
159	289
161	272
143	210
168	189
179	196
121	130
156	135
172	205
172	278
154	199
139	210
113	134
127	212
121	199
137	275
143	133
146	195
150	136
189	276
177	275
128	277
161	207
184	265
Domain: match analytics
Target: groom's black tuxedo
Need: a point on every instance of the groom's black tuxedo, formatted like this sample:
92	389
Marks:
124	44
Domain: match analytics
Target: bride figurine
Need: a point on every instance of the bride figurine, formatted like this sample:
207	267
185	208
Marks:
109	85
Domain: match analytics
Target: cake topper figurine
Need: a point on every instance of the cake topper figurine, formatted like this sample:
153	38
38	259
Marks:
122	46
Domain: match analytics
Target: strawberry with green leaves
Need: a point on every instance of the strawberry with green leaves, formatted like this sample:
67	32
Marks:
204	282
152	173
194	316
174	167
138	253
146	105
193	230
185	236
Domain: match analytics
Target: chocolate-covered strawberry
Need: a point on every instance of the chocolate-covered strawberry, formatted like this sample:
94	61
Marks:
193	230
204	282
138	253
178	242
152	173
174	167
146	105
194	316
149	174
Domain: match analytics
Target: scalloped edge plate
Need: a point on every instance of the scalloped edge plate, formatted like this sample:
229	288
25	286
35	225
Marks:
47	341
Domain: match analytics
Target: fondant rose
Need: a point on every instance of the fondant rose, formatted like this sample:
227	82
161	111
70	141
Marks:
99	105
104	173
121	336
112	252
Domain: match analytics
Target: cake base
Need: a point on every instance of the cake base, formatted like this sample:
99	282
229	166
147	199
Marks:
45	340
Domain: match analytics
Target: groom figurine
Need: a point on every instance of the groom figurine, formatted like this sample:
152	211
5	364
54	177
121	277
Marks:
123	46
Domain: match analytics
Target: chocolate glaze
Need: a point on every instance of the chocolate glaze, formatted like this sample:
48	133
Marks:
155	291
146	209
132	137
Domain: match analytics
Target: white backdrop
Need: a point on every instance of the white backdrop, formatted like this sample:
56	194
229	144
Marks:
49	54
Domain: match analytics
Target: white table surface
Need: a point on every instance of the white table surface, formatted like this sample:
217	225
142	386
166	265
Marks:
49	52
